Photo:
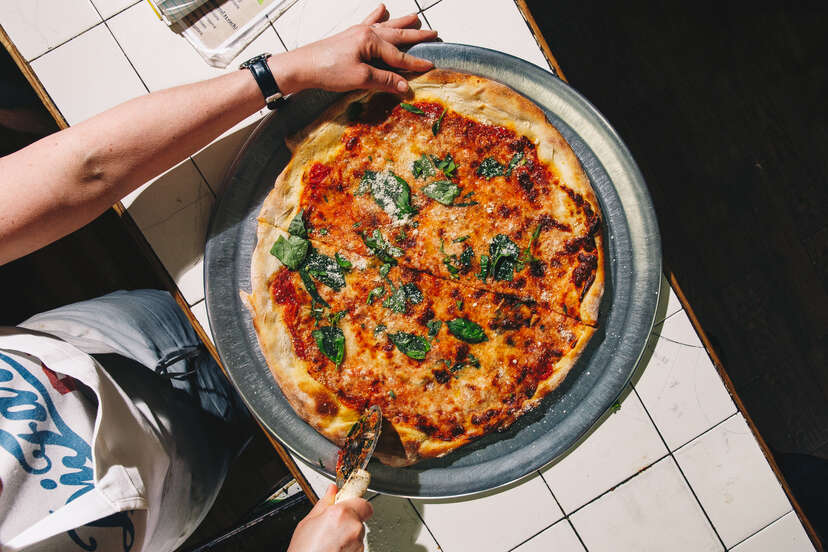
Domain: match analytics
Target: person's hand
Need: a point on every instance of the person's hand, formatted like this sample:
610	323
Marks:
343	61
330	527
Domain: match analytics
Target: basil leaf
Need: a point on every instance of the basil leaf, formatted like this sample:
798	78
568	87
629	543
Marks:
466	330
324	269
412	293
504	254
423	167
380	328
365	183
334	318
331	341
384	269
290	251
484	267
310	286
297	225
391	193
412	108
447	165
323	231
396	301
466	257
526	256
516	161
412	345
435	128
380	248
443	191
375	293
343	263
433	326
489	168
461	239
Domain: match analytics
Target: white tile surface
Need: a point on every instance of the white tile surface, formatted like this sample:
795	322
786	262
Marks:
478	523
654	511
679	385
395	527
495	24
108	8
786	534
426	3
624	443
669	299
36	26
200	312
734	482
87	75
310	20
173	212
558	538
164	58
214	160
318	482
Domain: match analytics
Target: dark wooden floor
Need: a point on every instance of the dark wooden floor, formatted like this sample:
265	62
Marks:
724	107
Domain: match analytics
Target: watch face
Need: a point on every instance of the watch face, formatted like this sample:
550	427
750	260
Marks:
251	61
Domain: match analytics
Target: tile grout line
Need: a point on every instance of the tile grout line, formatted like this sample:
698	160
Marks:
119	12
273	26
70	39
566	516
669	316
706	431
684	477
140	78
615	486
201	174
430	532
763	528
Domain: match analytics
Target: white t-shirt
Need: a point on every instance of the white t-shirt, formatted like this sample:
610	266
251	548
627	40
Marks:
78	459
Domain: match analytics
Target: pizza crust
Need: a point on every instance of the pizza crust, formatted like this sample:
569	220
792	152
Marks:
474	97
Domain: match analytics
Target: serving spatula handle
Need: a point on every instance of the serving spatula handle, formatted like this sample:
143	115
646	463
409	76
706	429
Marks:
354	487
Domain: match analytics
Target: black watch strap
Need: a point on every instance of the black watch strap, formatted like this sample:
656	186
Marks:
264	78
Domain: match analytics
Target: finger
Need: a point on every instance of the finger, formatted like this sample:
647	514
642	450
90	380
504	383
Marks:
323	503
386	81
410	21
392	56
404	36
379	14
361	507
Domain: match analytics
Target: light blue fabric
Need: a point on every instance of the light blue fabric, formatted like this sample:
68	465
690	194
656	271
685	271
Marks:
150	328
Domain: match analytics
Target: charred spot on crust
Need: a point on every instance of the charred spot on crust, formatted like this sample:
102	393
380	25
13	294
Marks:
537	268
484	418
462	352
352	142
457	430
548	222
425	317
442	375
518	283
505	211
586	243
587	264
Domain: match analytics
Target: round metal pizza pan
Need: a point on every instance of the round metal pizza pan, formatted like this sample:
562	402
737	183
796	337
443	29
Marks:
633	275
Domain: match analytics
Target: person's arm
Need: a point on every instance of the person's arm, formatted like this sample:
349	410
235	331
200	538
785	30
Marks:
65	180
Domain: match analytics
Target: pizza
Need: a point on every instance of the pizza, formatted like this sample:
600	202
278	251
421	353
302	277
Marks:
439	255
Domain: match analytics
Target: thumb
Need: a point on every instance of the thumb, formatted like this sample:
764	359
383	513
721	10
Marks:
323	503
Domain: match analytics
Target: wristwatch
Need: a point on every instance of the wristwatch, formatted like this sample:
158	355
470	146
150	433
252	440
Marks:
264	78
